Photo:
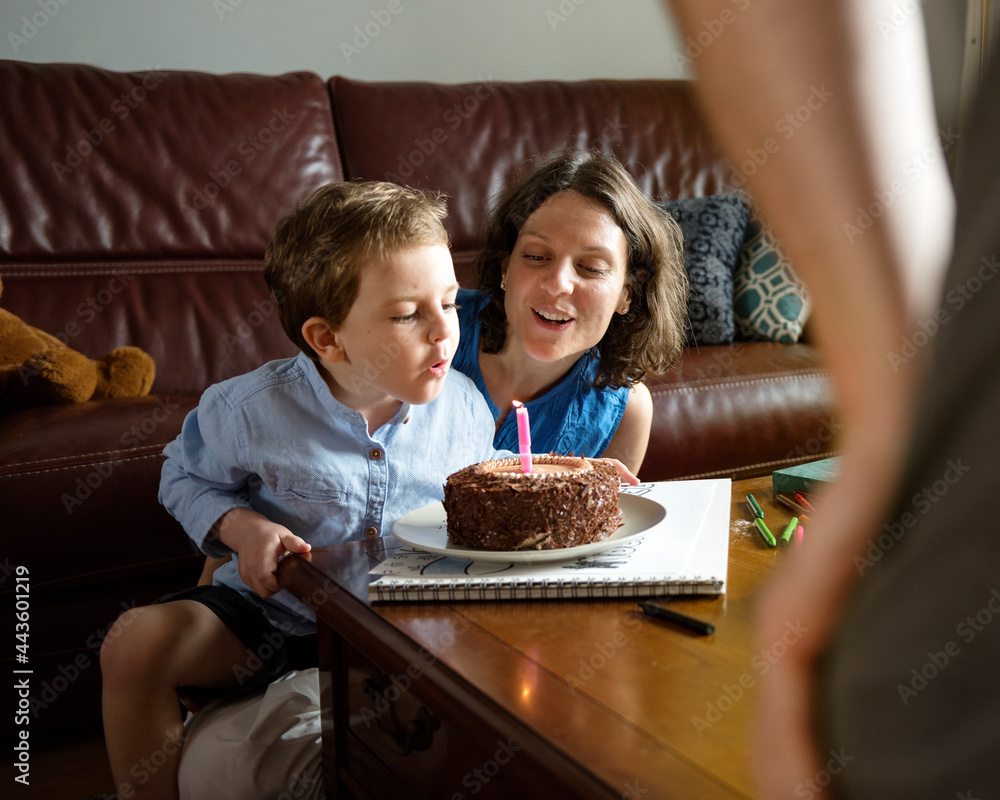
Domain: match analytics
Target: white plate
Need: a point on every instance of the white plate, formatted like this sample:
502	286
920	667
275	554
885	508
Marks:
426	529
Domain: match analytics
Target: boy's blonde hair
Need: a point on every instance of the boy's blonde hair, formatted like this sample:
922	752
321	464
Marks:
314	262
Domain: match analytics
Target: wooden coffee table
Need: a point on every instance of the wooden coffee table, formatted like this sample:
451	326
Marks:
553	699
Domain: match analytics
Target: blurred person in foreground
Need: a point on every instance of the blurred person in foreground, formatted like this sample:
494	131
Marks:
891	692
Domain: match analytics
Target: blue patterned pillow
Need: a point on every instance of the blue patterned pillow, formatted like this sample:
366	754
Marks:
713	229
769	299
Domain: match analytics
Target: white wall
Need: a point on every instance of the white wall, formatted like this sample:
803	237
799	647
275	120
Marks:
438	40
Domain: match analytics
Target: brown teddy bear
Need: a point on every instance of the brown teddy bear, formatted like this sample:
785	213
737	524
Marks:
37	369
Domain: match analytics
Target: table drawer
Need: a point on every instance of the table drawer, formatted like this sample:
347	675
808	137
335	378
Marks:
433	749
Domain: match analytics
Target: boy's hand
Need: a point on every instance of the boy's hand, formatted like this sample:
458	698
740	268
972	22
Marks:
259	543
623	472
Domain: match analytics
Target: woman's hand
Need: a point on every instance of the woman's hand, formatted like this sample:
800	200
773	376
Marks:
623	472
259	543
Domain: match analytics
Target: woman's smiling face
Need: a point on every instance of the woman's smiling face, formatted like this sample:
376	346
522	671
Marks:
565	278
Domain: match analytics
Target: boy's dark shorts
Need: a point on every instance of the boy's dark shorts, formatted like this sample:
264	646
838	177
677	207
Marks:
270	652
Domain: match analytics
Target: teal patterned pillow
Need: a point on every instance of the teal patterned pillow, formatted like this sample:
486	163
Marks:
769	300
714	229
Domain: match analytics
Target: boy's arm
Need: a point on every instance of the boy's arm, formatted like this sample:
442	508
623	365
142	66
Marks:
195	505
260	544
200	485
202	475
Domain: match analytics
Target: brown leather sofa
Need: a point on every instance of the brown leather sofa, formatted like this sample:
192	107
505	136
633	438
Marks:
135	209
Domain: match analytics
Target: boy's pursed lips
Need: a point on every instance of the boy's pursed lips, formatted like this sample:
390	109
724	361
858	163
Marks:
439	368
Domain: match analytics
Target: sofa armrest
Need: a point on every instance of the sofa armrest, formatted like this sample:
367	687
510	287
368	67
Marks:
738	411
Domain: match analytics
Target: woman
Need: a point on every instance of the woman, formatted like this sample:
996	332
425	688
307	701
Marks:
582	294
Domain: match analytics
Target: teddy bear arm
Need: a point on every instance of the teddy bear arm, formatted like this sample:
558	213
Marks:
53	376
124	372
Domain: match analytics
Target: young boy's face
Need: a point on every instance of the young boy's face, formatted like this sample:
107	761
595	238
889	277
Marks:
401	333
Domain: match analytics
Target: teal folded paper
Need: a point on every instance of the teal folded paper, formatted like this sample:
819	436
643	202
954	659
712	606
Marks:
805	477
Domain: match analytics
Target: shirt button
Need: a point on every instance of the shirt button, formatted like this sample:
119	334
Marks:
371	533
376	454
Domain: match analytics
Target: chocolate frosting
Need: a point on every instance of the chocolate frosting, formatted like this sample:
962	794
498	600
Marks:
494	507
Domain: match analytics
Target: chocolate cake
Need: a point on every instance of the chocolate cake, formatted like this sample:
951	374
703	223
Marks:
564	502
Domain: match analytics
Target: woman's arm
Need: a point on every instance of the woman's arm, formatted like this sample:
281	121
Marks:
631	439
870	236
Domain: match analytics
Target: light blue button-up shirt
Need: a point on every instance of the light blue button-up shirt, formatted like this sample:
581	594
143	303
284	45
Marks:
276	441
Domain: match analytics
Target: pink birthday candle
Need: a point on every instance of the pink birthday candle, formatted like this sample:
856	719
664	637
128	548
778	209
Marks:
523	436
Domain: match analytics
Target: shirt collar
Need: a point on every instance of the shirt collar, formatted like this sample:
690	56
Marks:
322	390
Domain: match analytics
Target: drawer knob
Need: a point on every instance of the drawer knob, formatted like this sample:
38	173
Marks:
416	734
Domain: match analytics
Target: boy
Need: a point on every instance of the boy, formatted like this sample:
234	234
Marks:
334	444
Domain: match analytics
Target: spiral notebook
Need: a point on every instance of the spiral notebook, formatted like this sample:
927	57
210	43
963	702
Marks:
685	553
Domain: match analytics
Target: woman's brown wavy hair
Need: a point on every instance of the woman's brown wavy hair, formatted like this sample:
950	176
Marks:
648	339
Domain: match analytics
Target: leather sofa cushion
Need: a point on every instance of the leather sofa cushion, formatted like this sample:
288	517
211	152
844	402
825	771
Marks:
154	165
740	410
148	199
470	140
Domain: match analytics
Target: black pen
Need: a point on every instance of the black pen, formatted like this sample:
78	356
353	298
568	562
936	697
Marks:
696	625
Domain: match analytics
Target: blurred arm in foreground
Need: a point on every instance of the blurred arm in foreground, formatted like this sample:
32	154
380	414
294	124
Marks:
831	122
